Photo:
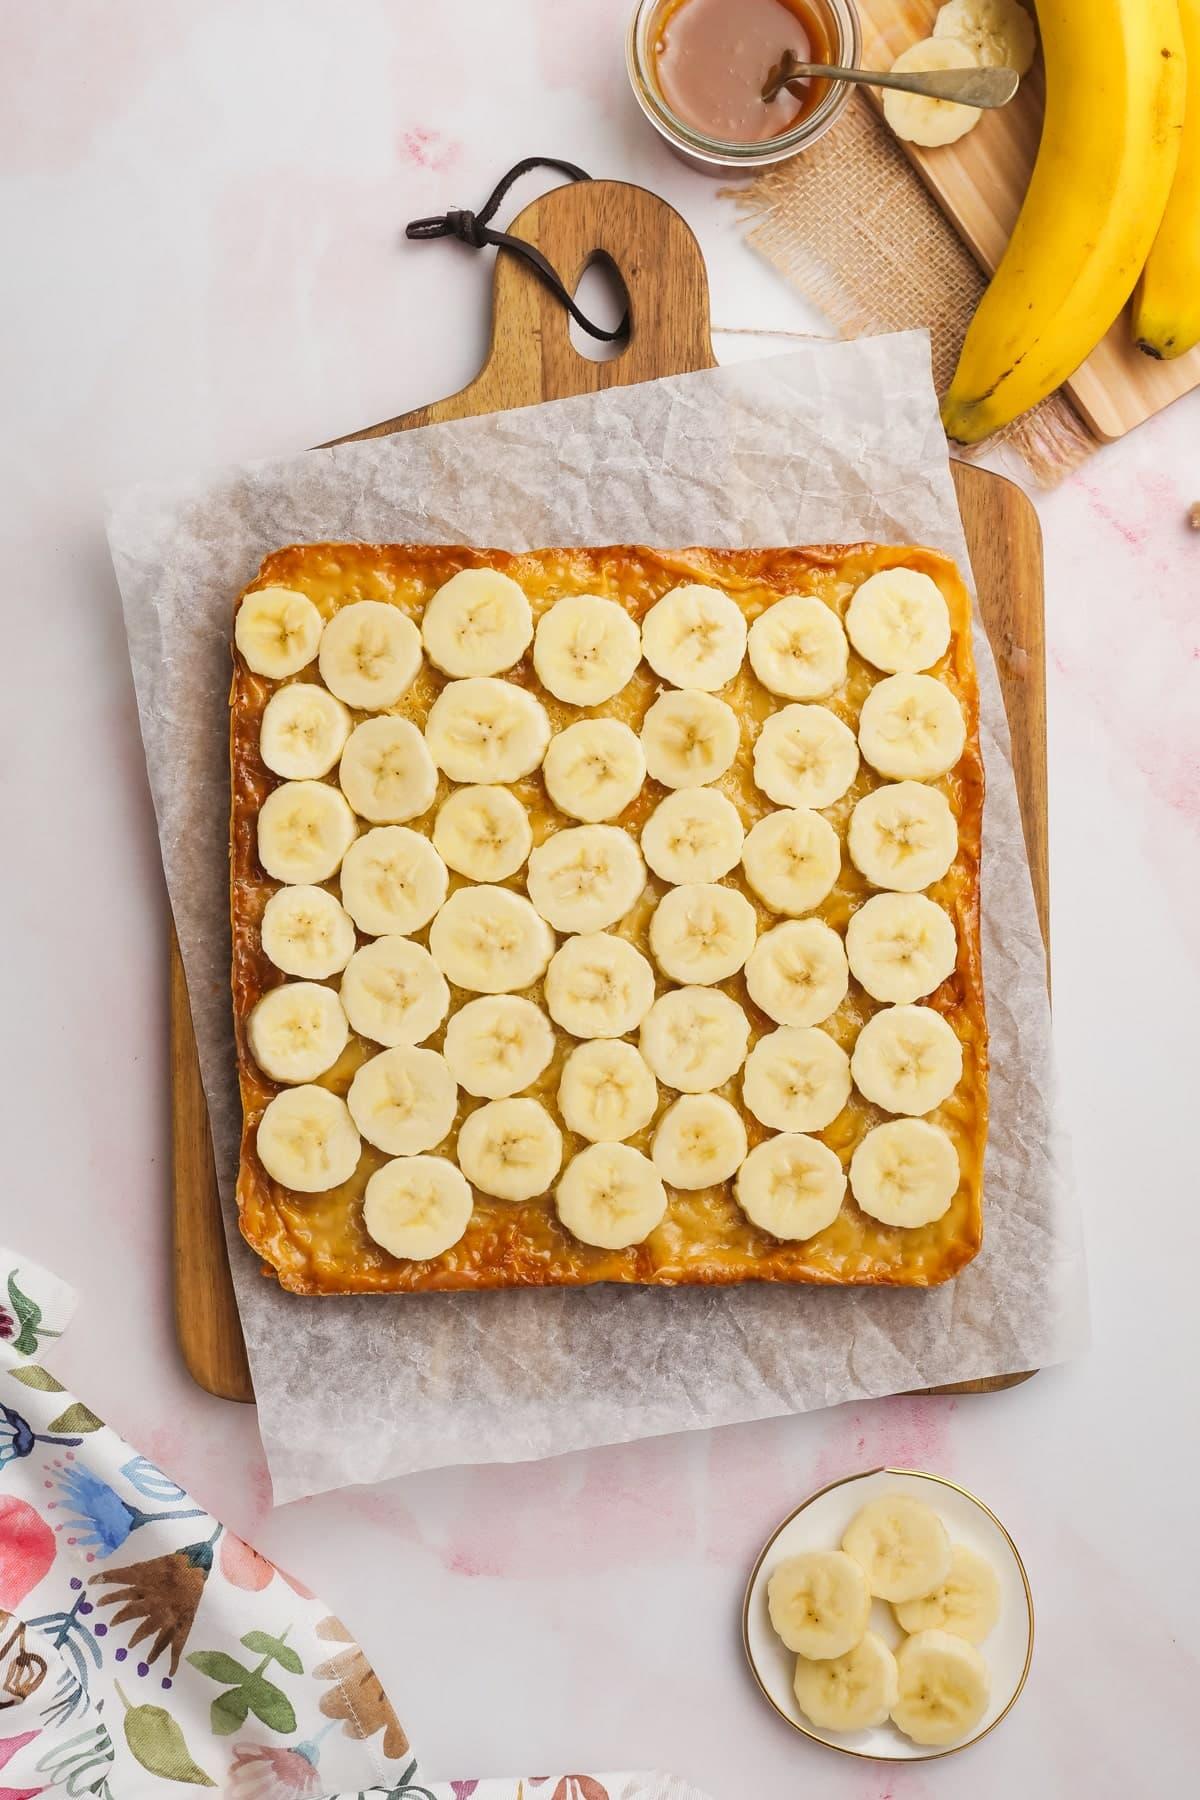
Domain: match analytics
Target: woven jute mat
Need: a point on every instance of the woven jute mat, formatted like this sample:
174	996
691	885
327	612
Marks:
851	225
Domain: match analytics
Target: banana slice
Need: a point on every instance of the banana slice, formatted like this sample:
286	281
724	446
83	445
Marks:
698	1142
694	637
599	986
695	1039
967	1604
901	947
805	756
999	33
370	655
297	1031
417	1207
796	1079
702	933
403	1100
917	118
798	648
911	728
277	631
305	932
593	769
851	1692
693	835
486	730
905	1172
511	1149
386	773
306	1140
606	1093
944	1688
394	992
610	1196
586	648
586	877
490	940
304	830
478	623
797	972
901	1546
791	1186
689	738
303	731
818	1603
899	622
498	1045
907	1060
792	859
903	836
483	833
392	880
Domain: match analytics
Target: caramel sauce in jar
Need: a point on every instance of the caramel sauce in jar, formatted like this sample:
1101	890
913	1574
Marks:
711	60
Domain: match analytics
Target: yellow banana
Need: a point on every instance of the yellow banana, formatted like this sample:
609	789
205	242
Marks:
1166	308
1115	96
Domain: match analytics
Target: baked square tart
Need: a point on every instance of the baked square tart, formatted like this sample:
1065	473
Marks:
730	1029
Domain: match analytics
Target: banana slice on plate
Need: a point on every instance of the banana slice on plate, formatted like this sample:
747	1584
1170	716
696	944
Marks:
792	859
797	972
702	933
966	1604
901	947
306	932
798	648
791	1186
606	1093
277	631
901	1546
478	623
599	986
695	1039
511	1149
911	728
370	655
304	830
394	992
693	835
417	1207
386	772
297	1031
698	1142
694	637
918	118
944	1688
303	731
484	730
796	1079
593	769
403	1100
483	833
392	881
306	1140
903	836
497	1045
905	1173
805	756
819	1603
907	1060
852	1692
585	878
585	649
999	33
899	622
610	1195
689	738
490	940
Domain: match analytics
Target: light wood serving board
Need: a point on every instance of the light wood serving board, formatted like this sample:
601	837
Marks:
531	358
980	183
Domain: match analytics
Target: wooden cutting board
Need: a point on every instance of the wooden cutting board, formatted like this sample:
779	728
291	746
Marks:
531	358
980	183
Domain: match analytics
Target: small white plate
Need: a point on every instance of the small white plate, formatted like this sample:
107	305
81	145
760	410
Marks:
818	1524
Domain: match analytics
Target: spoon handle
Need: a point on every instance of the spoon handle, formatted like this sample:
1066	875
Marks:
969	87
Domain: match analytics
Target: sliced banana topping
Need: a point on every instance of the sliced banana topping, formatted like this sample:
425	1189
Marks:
798	648
478	623
944	1688
702	933
586	877
905	1172
304	830
796	1079
490	940
999	33
586	648
791	1186
903	836
898	621
792	859
689	738
392	880
303	731
797	972
511	1149
819	1603
606	1092
693	835
699	1142
297	1031
277	631
393	992
593	769
907	1059
695	1039
483	832
966	1604
919	118
370	655
305	932
386	772
483	730
852	1692
403	1100
805	756
901	1546
599	986
498	1045
901	947
911	728
306	1140
610	1195
694	637
417	1207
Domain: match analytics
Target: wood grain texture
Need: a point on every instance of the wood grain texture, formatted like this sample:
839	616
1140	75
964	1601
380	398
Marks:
980	183
531	359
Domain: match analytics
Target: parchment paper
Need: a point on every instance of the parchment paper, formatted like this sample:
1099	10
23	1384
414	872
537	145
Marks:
830	443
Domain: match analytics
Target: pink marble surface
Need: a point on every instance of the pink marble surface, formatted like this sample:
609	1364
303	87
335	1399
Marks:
200	208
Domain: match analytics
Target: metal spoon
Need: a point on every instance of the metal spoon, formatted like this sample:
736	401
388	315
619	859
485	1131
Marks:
969	87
